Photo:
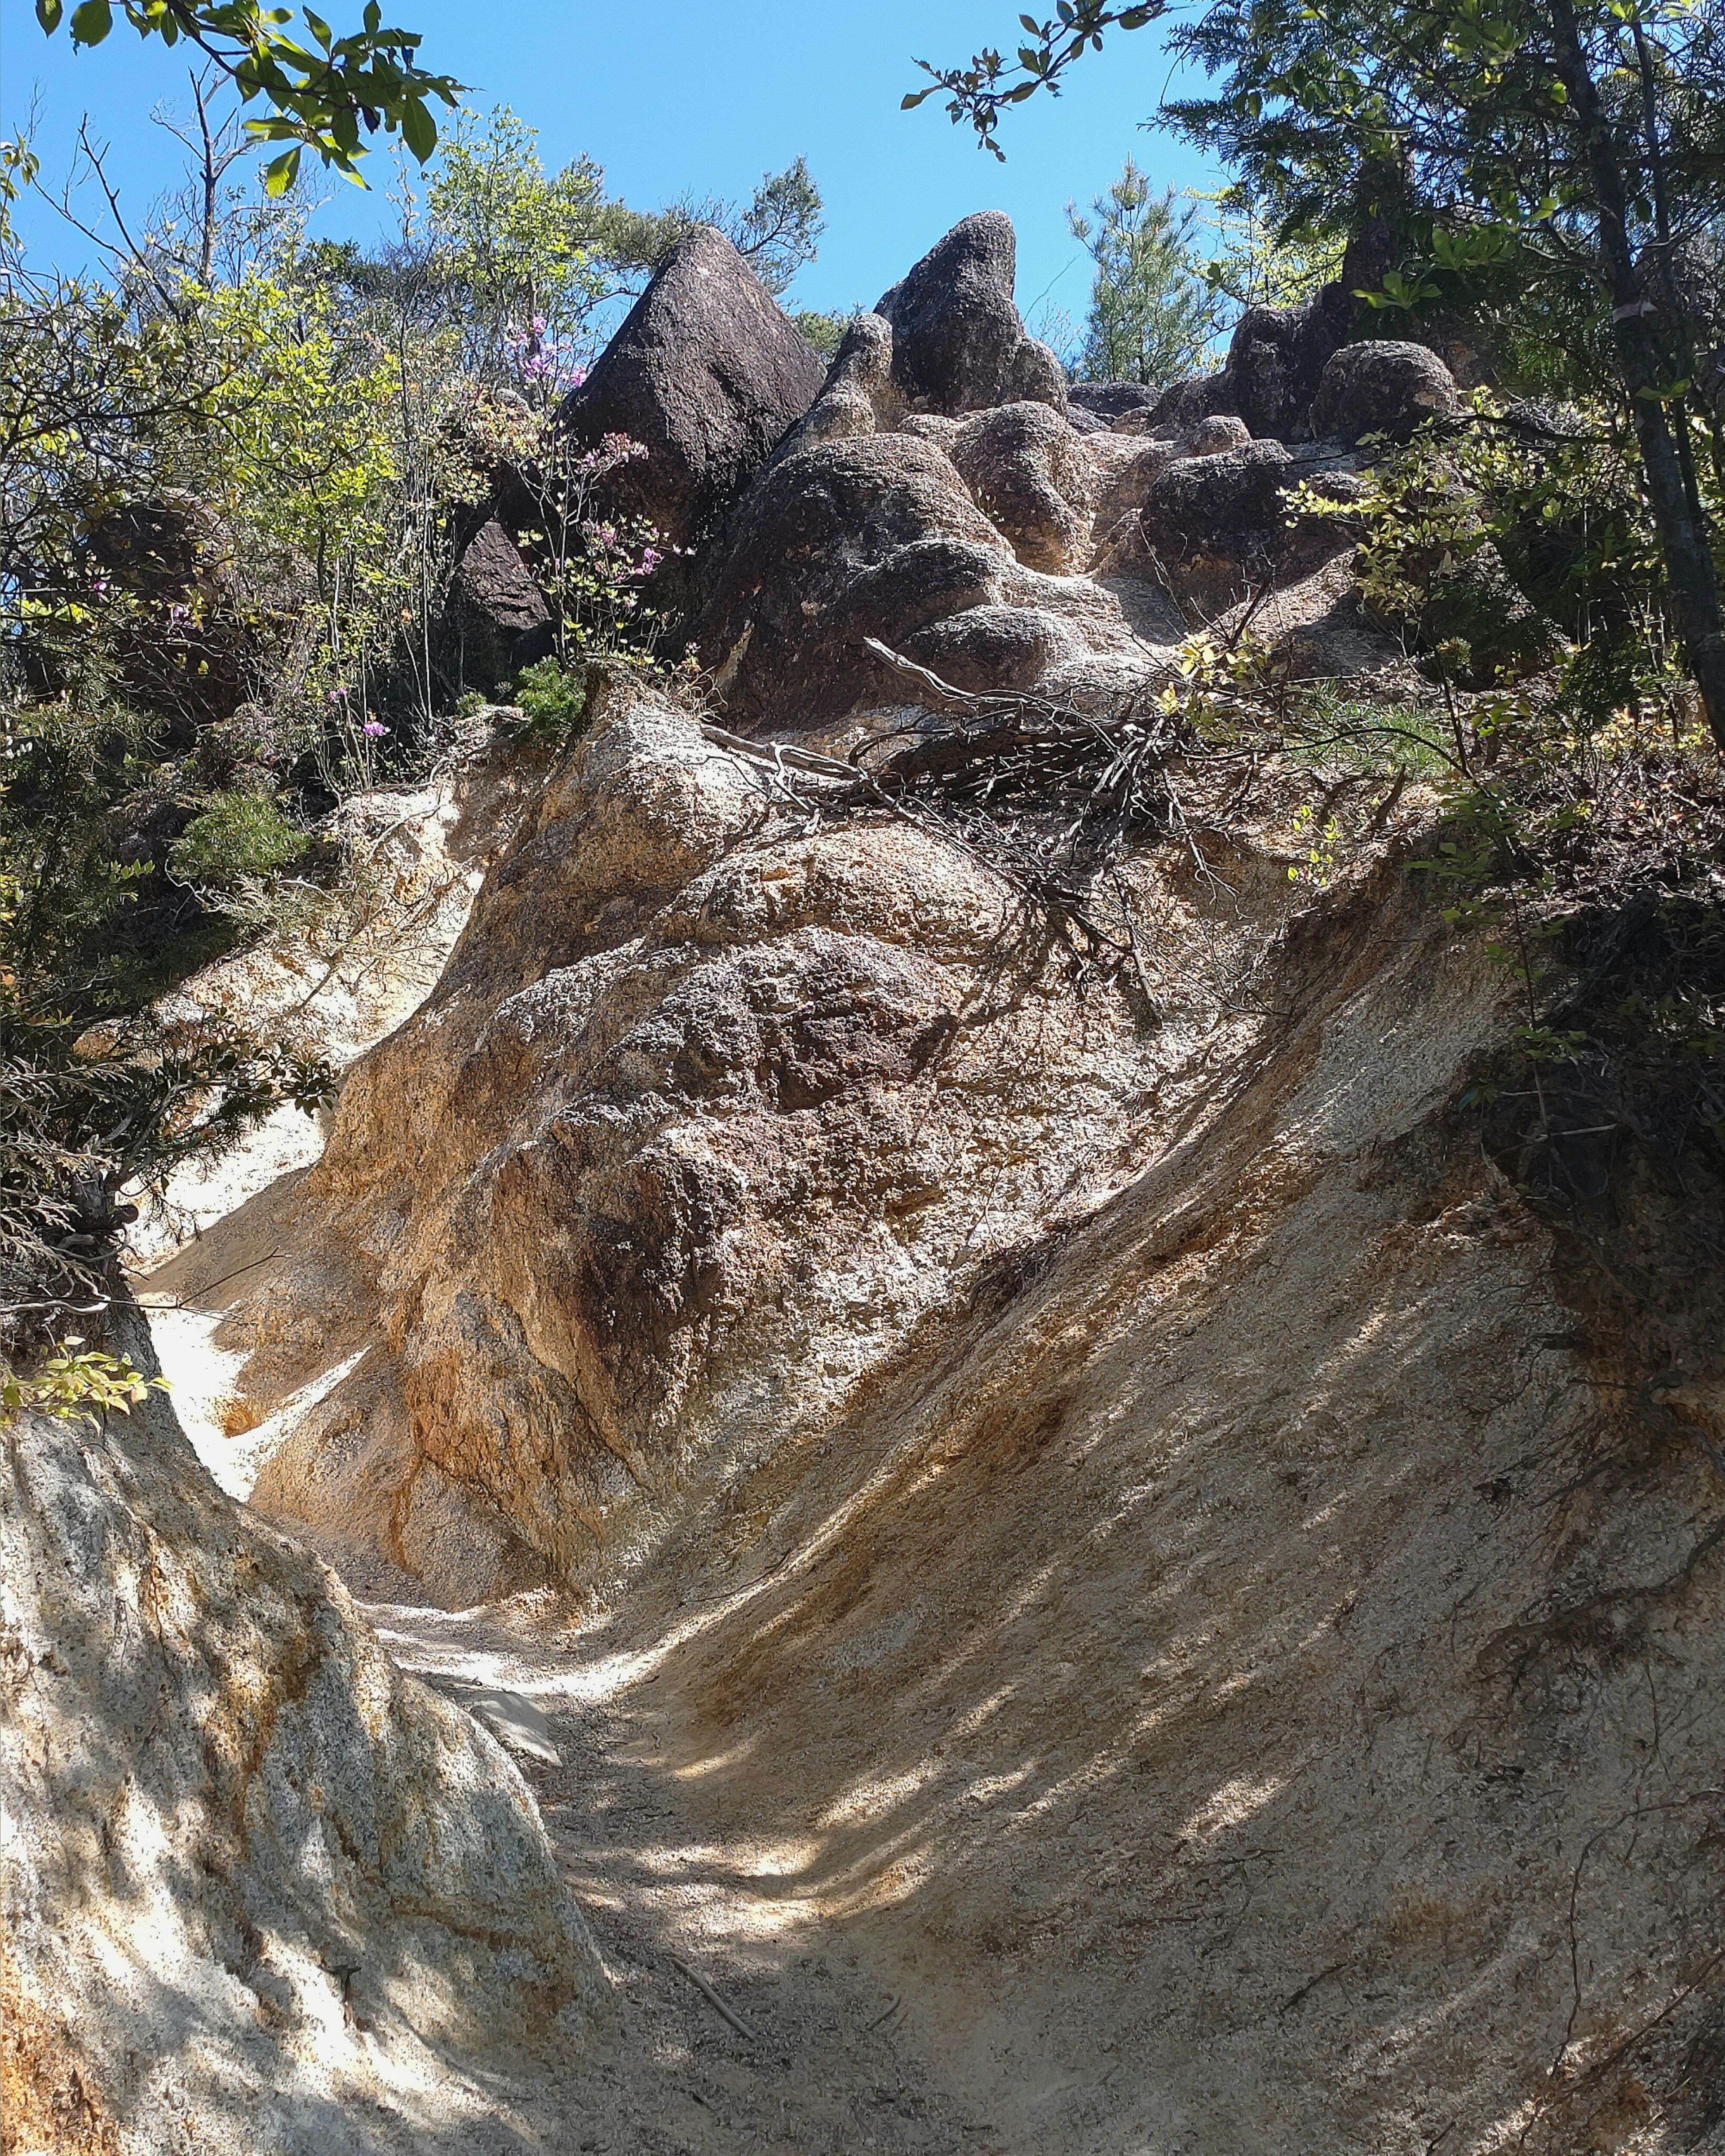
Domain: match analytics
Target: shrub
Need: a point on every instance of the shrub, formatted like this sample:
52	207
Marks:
554	699
235	835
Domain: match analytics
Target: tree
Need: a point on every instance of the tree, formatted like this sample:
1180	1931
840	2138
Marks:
518	254
1567	156
776	231
1151	318
322	95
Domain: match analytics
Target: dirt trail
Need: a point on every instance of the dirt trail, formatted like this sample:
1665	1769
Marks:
828	2065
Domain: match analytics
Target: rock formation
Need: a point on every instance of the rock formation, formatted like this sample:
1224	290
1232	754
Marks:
497	620
707	374
958	343
1119	1486
1384	387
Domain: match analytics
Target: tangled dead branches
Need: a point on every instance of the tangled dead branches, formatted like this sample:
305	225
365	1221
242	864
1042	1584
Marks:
1048	797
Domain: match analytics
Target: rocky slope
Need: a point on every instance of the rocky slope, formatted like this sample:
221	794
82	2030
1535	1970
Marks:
1106	1508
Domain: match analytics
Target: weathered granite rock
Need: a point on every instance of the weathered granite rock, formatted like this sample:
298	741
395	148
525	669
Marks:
252	1873
859	395
1215	524
708	373
497	620
1178	409
1383	388
1028	472
874	537
877	537
680	1066
957	343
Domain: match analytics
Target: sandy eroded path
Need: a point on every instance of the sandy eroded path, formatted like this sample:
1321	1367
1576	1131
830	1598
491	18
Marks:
829	2064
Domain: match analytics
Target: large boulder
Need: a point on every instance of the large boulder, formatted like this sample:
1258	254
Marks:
859	395
1215	526
1028	472
1384	387
878	536
497	620
871	537
707	373
1277	358
599	1211
1031	473
1180	407
957	343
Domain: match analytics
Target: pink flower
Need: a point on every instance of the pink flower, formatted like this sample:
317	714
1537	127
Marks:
336	695
650	559
373	728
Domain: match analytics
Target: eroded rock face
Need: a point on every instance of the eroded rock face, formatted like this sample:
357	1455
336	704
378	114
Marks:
1219	524
698	1120
252	1874
879	536
1027	470
958	343
706	372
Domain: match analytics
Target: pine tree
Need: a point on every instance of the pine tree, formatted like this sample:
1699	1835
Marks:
1152	319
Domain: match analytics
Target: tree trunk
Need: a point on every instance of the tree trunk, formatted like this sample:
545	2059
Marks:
1676	516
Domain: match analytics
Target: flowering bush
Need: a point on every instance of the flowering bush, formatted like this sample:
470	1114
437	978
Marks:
541	364
595	566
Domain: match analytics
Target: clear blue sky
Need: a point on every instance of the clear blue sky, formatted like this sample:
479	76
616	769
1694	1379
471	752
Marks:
676	96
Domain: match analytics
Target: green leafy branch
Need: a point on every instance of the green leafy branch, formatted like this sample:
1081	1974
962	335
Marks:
981	92
77	1384
324	94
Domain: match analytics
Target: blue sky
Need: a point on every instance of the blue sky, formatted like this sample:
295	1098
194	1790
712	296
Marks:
676	96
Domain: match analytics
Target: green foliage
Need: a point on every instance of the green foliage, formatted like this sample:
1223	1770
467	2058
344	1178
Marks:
1485	537
521	251
76	1383
1322	845
553	698
1151	319
1251	265
825	332
321	94
233	836
979	94
1450	123
594	562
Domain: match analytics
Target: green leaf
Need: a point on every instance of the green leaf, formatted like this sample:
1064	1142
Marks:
281	172
91	22
48	13
418	130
